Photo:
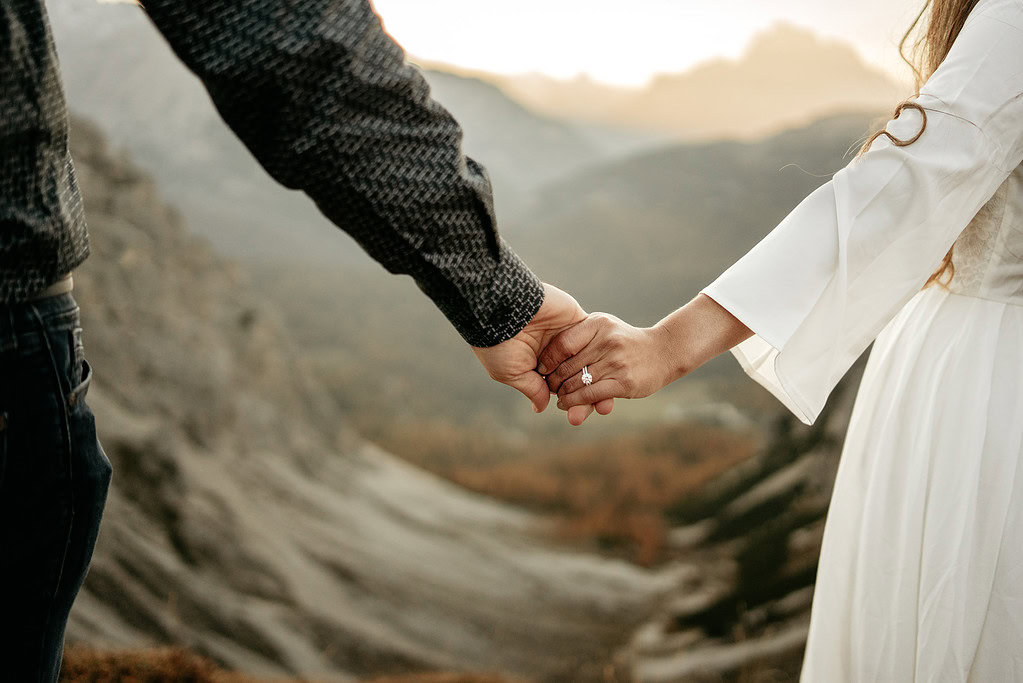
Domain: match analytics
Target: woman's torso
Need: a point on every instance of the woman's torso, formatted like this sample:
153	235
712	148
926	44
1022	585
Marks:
988	255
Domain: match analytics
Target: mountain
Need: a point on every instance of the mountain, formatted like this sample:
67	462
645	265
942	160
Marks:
787	77
249	523
522	149
640	237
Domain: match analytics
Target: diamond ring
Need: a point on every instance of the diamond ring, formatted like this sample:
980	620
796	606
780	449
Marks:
587	377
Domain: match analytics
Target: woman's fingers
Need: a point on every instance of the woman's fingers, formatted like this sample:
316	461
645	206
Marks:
564	358
572	350
570	367
565	345
575	382
599	391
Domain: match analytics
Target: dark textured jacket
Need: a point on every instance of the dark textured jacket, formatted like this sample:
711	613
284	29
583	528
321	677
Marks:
325	101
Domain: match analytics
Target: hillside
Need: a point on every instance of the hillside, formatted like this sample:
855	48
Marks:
669	221
249	523
522	149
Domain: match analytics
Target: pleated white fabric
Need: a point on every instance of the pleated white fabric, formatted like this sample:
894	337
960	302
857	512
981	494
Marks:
921	569
921	573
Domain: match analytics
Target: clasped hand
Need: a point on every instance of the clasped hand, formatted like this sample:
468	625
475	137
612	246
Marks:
624	362
547	357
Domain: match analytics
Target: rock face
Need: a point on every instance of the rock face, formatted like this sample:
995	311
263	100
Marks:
249	524
747	547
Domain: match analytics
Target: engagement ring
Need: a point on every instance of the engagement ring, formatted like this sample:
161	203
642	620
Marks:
587	377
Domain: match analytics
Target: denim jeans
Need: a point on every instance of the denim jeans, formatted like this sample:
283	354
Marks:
53	482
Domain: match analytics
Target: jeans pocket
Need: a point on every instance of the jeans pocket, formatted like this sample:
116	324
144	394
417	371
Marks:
76	359
77	394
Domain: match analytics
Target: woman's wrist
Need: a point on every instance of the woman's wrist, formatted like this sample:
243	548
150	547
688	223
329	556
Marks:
695	333
667	356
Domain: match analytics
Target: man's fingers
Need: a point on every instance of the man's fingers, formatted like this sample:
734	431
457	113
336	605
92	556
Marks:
565	345
578	414
534	388
595	393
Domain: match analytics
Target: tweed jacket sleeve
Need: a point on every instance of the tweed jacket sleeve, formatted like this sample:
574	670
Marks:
325	101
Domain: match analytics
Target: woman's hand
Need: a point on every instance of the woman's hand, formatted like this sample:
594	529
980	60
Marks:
624	361
631	362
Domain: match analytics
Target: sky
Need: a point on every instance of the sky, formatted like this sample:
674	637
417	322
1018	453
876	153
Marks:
626	42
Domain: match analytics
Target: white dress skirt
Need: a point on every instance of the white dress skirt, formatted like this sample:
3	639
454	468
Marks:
921	567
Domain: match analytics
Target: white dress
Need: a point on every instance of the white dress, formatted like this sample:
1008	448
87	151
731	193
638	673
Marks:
921	568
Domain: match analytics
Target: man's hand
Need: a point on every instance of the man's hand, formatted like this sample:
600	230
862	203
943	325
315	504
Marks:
514	362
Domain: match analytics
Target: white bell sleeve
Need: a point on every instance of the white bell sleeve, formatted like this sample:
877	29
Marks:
824	283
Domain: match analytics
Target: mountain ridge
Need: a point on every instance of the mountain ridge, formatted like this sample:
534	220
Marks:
787	77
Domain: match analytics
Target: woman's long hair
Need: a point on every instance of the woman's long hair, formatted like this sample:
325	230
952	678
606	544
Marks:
940	21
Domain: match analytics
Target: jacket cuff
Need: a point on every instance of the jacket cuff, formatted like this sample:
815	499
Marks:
514	299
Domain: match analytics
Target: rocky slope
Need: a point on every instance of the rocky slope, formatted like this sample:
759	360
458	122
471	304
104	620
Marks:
249	524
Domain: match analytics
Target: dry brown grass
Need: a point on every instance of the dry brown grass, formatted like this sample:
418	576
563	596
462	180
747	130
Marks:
610	492
177	665
157	665
445	678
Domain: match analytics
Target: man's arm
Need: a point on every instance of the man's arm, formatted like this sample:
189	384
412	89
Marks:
325	101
